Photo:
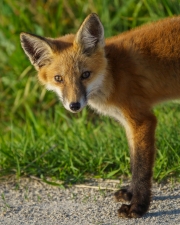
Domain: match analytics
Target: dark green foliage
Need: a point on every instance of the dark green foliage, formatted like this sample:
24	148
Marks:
37	135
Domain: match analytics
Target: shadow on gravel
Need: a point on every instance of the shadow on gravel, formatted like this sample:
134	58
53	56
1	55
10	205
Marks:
162	213
161	198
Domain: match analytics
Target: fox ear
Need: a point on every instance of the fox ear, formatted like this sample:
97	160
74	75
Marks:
37	49
90	35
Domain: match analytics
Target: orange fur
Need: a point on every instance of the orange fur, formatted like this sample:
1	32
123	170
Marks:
123	77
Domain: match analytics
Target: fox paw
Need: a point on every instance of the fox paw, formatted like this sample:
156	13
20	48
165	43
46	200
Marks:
131	211
123	195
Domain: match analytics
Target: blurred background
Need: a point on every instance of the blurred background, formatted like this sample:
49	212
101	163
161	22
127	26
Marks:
37	135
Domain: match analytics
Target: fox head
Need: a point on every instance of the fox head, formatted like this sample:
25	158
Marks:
73	66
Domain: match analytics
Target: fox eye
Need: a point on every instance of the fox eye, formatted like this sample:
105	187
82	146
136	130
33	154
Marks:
85	74
58	78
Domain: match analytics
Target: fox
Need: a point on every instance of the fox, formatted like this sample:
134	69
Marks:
123	77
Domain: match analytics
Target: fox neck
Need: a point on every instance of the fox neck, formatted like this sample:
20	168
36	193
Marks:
101	98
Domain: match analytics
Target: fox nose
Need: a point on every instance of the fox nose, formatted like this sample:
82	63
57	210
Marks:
75	106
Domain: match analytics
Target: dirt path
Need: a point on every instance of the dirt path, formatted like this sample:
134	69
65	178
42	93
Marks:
34	202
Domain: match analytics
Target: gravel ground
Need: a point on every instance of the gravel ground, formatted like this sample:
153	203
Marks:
35	202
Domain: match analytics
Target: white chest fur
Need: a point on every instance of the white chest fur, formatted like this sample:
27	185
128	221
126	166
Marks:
117	114
111	111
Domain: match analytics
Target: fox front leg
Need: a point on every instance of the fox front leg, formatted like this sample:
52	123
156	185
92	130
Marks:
142	159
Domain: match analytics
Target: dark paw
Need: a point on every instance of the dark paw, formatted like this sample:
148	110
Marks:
124	211
123	195
132	211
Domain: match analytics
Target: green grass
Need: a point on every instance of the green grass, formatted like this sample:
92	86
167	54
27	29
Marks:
37	135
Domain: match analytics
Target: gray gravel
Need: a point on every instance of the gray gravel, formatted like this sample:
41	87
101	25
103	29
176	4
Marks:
34	202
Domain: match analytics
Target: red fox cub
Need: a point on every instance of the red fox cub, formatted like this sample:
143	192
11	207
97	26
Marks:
124	77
